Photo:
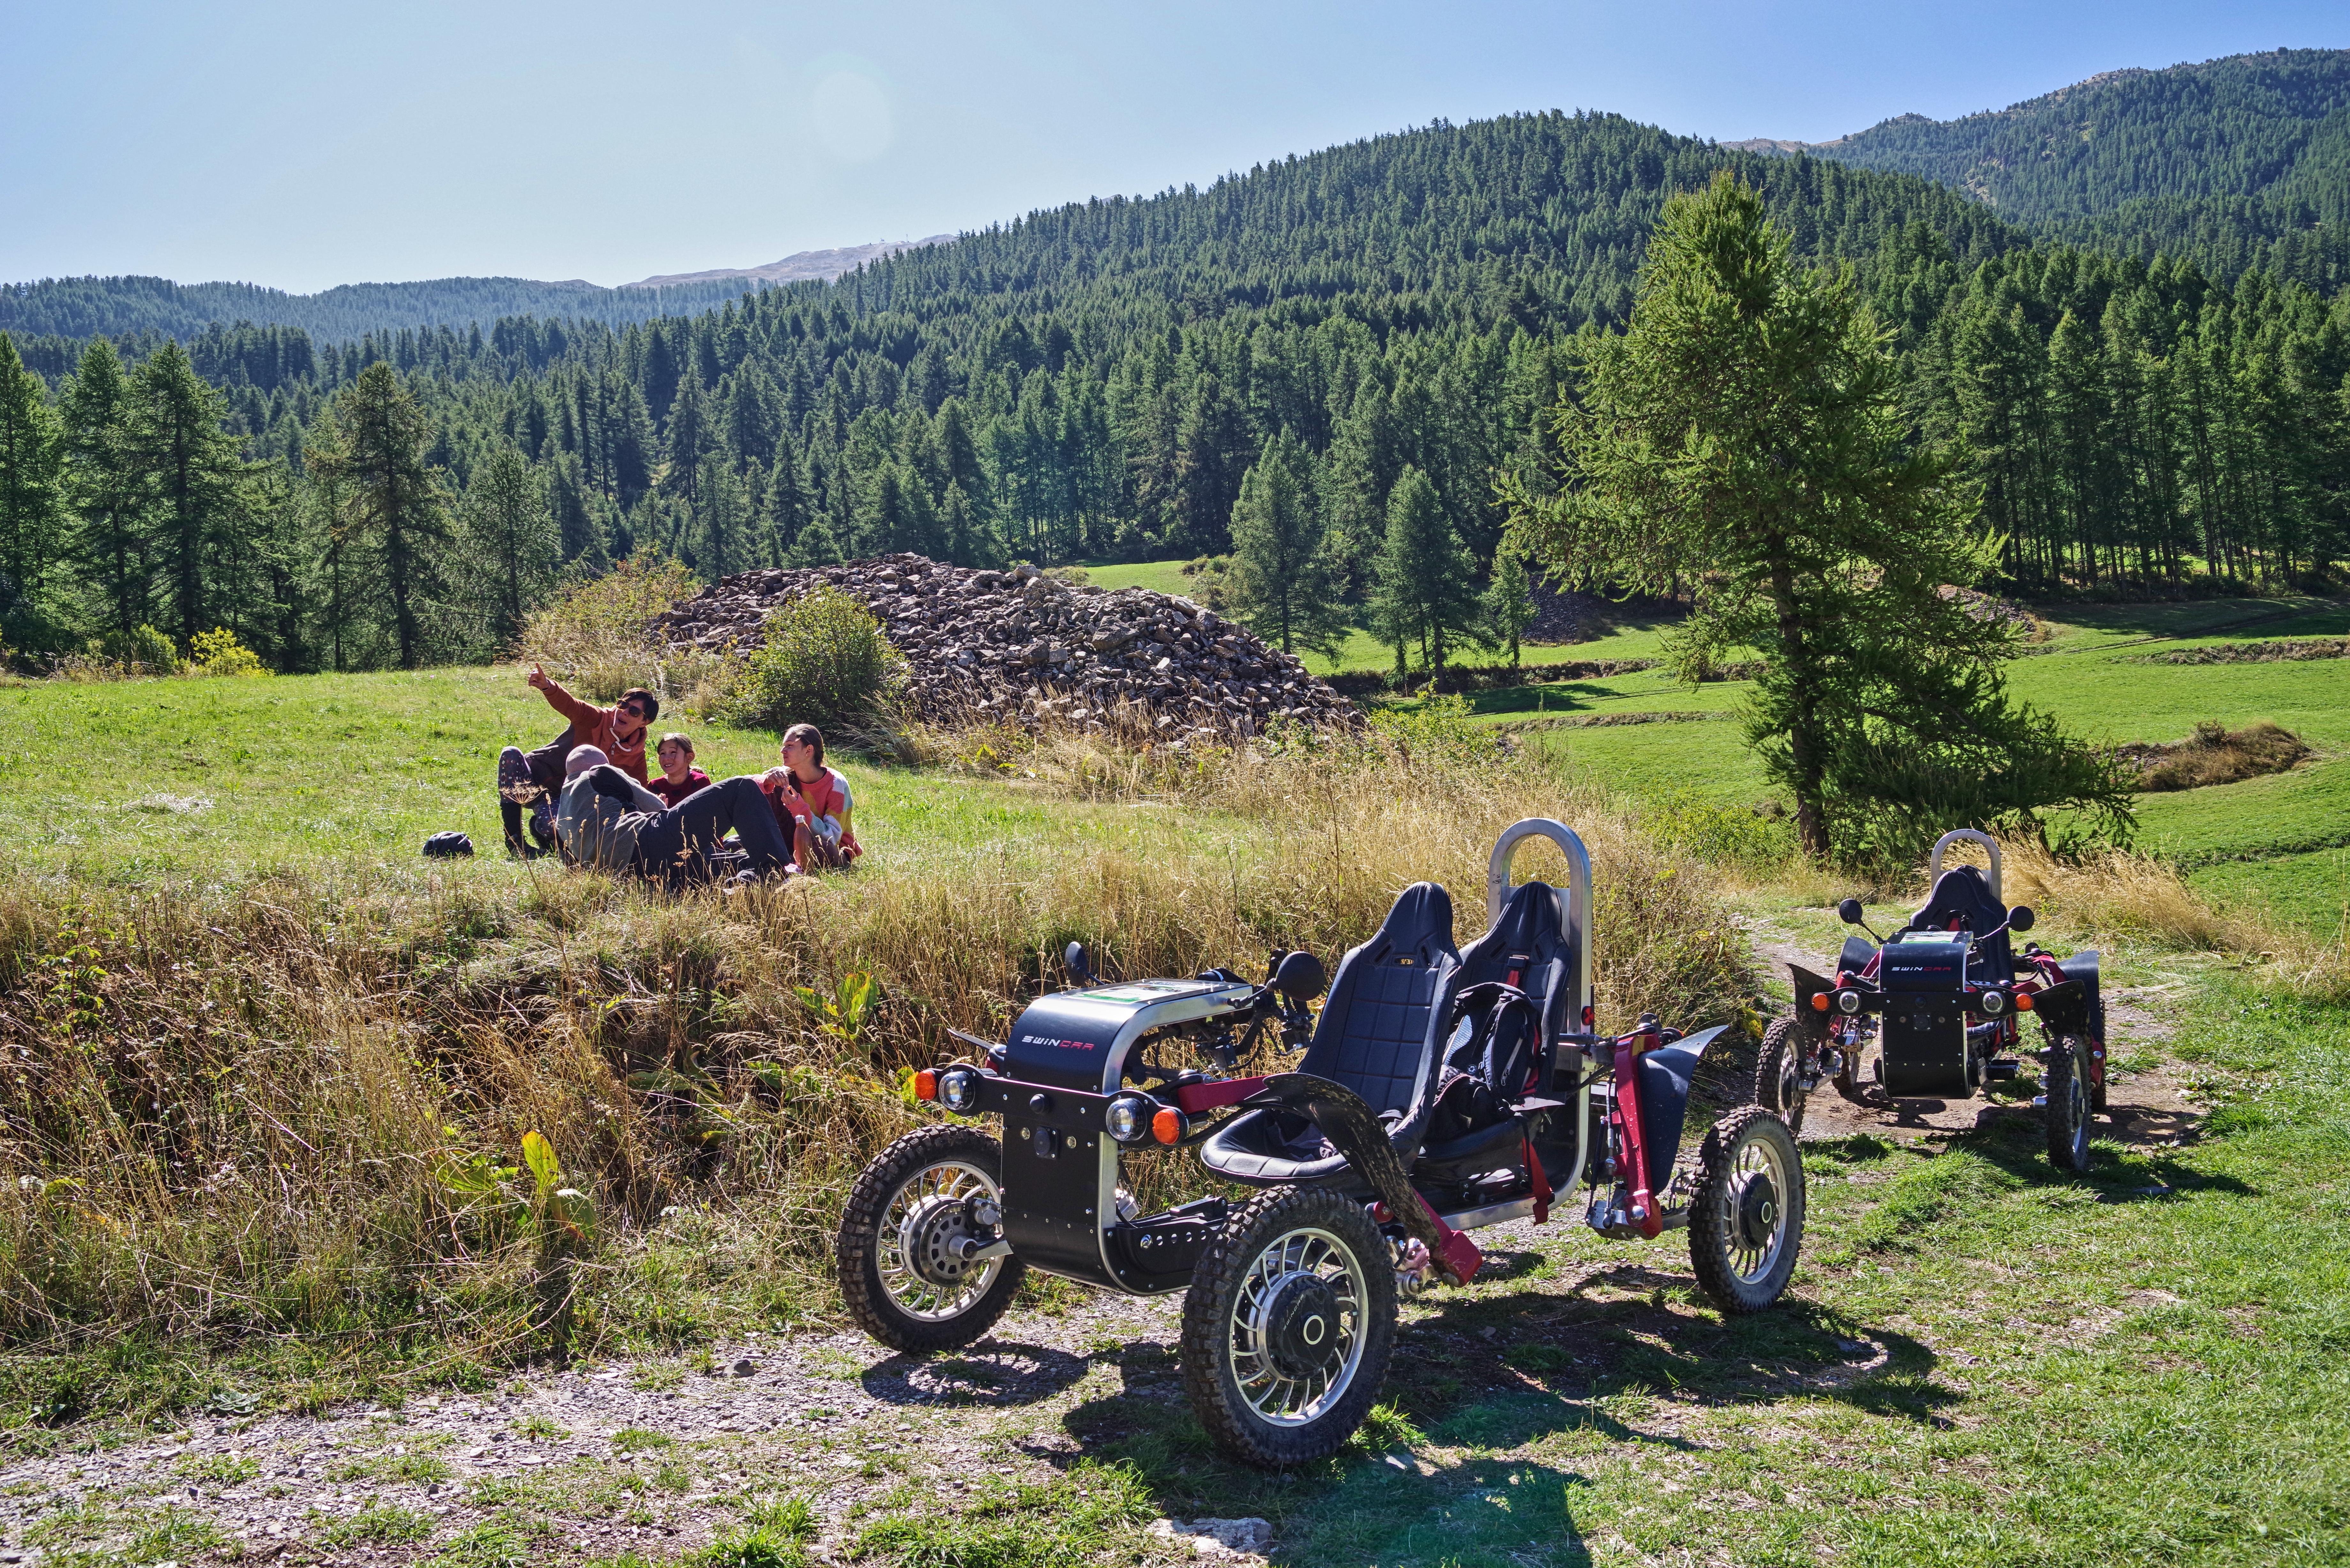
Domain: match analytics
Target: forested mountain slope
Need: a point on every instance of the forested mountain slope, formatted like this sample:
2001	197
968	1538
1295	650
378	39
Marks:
76	308
1396	317
2237	162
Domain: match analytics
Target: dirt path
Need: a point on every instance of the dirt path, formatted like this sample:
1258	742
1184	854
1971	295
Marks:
2143	1110
661	1458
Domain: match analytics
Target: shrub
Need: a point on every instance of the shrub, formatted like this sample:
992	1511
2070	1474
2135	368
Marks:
825	663
121	656
599	638
218	652
2215	754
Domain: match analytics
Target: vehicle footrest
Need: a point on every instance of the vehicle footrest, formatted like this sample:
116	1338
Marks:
2007	1067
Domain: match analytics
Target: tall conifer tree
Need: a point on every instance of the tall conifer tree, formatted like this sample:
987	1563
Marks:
374	446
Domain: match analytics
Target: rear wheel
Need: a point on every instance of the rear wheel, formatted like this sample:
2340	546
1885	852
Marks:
903	1275
1786	1060
1746	1224
1289	1326
2068	1101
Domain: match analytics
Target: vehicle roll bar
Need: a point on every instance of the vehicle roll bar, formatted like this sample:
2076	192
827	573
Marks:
1574	918
1969	836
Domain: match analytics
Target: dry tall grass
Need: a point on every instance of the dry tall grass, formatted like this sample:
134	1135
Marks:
2135	896
294	1108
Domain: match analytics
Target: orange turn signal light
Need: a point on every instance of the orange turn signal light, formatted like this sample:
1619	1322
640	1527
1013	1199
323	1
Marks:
1167	1127
2023	1002
1819	1001
926	1085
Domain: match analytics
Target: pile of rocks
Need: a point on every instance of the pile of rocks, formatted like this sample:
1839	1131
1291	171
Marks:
1020	643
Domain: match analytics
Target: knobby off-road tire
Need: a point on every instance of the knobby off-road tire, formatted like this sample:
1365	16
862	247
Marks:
899	1275
1788	1051
1288	1327
2069	1103
1746	1224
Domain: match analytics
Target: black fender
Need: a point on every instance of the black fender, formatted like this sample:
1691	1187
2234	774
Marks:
1807	986
2080	970
1665	1073
1354	1130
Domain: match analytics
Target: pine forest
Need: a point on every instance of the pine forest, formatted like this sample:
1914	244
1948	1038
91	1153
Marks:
1328	364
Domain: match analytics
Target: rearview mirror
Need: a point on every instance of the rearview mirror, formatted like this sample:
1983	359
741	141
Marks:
2021	918
1849	911
1300	977
1079	965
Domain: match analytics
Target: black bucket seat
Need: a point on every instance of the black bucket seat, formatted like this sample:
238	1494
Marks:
1378	1035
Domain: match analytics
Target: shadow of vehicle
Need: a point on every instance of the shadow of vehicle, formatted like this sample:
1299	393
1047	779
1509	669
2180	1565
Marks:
1498	1372
995	1372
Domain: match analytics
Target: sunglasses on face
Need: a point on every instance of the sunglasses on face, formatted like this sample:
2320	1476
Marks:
632	709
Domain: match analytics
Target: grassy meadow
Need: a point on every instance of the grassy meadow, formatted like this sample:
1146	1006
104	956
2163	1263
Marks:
264	1074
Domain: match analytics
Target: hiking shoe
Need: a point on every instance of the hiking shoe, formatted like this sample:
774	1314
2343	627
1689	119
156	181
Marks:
542	823
514	782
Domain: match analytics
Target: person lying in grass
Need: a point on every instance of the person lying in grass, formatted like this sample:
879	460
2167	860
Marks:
679	777
811	803
608	821
532	778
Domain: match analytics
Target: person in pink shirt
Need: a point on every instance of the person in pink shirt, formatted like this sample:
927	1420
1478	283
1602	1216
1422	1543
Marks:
811	802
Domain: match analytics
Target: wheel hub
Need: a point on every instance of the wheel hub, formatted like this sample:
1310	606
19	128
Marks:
1756	1206
928	1236
1302	1326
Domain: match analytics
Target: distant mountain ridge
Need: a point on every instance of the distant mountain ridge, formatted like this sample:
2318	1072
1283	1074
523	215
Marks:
2238	162
800	267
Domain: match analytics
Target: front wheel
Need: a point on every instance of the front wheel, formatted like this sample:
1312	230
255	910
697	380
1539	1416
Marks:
2068	1101
1746	1224
1288	1326
903	1275
1780	1067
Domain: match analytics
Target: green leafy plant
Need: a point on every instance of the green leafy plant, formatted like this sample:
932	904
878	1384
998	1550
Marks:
844	1014
218	652
824	662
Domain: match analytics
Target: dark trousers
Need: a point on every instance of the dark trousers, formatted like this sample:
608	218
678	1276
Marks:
545	768
681	845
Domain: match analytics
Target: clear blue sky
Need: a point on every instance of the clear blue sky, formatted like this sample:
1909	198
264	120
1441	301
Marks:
305	145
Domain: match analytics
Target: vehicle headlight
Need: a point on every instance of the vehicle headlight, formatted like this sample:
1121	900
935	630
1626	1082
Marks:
1847	1002
1127	1117
1994	1002
958	1089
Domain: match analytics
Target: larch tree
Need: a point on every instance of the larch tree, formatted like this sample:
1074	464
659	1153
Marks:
1281	577
32	456
1424	582
511	543
196	476
1745	434
373	449
110	552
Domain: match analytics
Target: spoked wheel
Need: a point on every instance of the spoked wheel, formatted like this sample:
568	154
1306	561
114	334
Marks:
903	1270
1746	1224
1289	1326
2068	1103
1780	1067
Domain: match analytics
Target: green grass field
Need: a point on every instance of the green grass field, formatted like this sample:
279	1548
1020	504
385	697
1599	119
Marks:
1630	637
2266	841
1980	1363
227	779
